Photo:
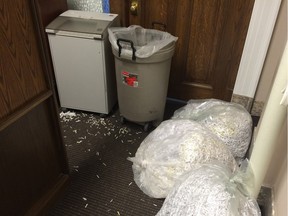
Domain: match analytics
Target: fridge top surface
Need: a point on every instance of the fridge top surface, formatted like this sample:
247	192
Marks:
81	22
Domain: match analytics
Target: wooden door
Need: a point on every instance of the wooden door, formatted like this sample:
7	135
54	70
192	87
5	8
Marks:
33	163
211	36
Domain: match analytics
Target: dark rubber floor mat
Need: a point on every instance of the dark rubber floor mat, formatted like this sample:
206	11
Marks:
101	176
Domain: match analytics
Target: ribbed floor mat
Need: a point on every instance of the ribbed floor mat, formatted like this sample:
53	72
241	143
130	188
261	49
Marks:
101	176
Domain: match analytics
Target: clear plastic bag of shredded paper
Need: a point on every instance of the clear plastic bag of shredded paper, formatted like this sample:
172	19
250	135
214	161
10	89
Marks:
210	190
146	41
172	149
229	121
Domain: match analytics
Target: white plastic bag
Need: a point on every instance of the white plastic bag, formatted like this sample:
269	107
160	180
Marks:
146	41
229	121
211	190
172	149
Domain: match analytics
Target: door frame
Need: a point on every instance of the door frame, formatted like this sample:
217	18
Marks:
263	19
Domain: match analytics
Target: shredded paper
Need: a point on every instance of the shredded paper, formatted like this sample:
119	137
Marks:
209	191
229	121
172	149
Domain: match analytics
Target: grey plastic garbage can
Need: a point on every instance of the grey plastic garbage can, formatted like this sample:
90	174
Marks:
142	85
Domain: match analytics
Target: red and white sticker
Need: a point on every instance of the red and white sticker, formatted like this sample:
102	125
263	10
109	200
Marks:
129	79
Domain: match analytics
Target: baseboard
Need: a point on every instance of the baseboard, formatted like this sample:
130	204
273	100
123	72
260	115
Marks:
246	102
257	108
265	201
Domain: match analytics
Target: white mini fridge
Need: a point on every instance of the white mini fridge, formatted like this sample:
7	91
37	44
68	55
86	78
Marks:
83	61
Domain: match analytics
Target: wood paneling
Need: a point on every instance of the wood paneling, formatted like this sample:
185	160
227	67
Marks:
154	11
33	163
48	10
28	161
21	75
122	9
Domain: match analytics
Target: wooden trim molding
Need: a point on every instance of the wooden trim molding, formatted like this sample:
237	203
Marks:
258	38
24	110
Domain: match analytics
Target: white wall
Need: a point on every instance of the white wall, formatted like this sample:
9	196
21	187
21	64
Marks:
274	53
280	191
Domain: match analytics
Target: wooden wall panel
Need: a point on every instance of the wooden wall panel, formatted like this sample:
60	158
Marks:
33	162
21	75
30	160
121	7
48	10
155	11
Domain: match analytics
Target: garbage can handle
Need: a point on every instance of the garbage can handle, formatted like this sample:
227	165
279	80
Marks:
159	23
131	44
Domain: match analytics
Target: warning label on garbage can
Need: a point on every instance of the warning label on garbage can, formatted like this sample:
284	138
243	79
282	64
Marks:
129	79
